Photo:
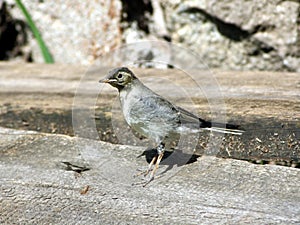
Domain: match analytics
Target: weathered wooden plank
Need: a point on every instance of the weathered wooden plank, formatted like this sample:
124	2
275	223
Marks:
36	189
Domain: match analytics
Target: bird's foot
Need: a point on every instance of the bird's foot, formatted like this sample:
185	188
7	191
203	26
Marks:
153	164
144	182
146	172
141	172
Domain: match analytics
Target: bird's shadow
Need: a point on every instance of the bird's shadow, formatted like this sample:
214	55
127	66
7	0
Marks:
170	158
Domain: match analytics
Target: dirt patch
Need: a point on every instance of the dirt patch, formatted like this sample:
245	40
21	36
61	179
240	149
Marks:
266	140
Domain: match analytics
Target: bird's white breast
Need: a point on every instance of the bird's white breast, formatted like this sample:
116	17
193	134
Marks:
128	98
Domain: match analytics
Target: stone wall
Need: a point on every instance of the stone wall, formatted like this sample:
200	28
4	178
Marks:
231	34
242	35
75	31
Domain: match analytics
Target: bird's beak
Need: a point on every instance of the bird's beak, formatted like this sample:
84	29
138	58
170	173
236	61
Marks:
108	80
104	80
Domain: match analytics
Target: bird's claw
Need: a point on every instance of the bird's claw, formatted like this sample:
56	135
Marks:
142	172
144	183
153	166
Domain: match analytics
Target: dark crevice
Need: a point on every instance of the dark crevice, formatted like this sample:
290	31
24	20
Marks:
236	33
68	166
137	11
229	30
260	47
13	35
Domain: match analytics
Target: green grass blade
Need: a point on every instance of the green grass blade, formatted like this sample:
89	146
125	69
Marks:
45	51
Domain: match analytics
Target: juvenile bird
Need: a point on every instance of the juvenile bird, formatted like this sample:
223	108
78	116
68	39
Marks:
155	117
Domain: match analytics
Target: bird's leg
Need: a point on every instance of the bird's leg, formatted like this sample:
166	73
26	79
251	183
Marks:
160	151
146	172
150	165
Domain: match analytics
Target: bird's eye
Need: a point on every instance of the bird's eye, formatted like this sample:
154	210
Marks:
120	75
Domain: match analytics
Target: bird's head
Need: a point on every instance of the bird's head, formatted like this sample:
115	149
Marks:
119	77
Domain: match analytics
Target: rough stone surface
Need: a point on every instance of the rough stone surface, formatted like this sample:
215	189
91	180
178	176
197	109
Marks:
75	31
232	34
243	35
38	188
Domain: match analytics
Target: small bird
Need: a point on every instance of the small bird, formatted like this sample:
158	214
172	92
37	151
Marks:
155	117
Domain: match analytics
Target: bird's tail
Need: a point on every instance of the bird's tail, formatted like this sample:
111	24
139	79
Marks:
225	130
221	128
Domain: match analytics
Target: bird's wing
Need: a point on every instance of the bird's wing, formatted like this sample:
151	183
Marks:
156	109
188	118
